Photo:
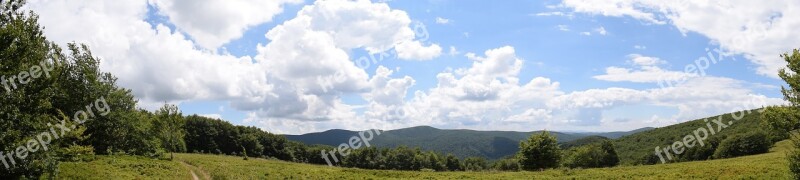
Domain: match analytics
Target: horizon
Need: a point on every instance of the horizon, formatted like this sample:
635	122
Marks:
468	129
298	67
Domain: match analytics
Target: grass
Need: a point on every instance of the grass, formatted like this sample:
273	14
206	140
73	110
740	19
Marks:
123	167
772	165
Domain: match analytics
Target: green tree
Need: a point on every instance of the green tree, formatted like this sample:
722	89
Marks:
792	94
508	164
611	158
743	144
779	121
539	152
794	157
475	164
453	163
170	122
593	155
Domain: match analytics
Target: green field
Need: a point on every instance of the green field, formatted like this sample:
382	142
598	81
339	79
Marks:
772	165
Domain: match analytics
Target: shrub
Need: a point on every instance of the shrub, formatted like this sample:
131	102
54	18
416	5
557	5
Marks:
794	157
506	165
475	164
592	156
75	153
778	121
453	163
539	152
743	144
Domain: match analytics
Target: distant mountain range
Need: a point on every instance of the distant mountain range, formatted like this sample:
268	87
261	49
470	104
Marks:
459	142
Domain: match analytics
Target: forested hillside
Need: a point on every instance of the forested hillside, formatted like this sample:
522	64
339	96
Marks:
639	148
461	143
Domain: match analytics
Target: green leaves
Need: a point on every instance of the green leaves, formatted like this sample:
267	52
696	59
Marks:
540	152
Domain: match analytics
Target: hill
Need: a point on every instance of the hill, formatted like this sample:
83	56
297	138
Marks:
460	142
772	165
635	148
582	141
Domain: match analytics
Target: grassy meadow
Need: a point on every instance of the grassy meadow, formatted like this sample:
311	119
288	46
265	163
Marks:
772	165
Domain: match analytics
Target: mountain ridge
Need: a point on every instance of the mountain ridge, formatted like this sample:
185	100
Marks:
460	142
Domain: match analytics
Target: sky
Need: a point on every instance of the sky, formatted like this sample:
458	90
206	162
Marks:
294	66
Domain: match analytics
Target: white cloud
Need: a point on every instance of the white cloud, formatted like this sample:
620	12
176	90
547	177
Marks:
759	31
638	59
212	23
562	27
453	51
553	13
415	50
646	70
639	47
600	30
440	20
280	88
281	83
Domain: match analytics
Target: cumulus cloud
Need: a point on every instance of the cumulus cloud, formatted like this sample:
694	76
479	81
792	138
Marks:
440	20
212	23
297	81
759	31
645	70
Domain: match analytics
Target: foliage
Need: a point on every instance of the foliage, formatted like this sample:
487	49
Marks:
779	121
794	156
509	164
475	164
539	152
792	94
594	155
743	144
170	122
583	141
638	148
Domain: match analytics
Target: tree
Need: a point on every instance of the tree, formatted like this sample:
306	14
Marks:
540	151
509	164
792	94
170	122
794	157
779	121
611	158
453	163
743	144
593	155
475	164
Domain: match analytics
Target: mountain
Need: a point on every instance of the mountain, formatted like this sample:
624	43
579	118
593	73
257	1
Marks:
635	148
460	142
583	141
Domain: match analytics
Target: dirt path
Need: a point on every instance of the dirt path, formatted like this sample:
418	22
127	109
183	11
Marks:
191	170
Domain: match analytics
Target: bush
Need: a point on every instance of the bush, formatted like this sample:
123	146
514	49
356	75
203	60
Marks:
592	156
743	144
475	164
779	121
539	152
75	153
506	165
794	157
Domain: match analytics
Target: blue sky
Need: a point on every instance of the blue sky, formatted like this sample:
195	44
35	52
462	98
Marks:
584	65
